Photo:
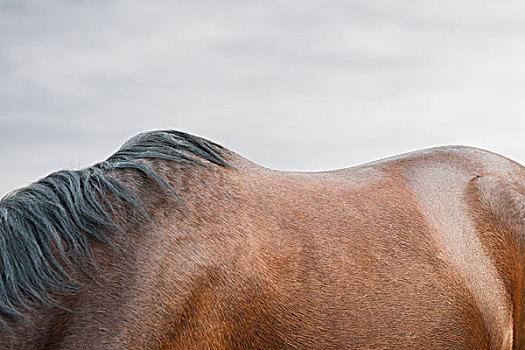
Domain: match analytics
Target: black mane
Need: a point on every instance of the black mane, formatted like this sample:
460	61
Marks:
48	223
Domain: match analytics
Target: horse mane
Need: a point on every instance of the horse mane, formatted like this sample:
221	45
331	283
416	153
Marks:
45	227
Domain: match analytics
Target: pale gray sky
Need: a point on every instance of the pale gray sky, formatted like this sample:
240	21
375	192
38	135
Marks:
292	84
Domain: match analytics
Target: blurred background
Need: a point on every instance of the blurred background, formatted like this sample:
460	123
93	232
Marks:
296	85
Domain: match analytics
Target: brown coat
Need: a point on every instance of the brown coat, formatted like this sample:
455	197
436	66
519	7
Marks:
419	251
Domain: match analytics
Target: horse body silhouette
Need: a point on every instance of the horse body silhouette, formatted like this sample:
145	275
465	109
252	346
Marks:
175	242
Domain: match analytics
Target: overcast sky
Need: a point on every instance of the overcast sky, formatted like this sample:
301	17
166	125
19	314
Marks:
292	84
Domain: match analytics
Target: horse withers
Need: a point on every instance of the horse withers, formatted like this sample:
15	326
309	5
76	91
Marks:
175	242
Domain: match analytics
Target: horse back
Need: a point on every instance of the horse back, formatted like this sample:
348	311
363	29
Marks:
421	251
417	251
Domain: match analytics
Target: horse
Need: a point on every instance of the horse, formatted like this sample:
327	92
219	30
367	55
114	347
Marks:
175	242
